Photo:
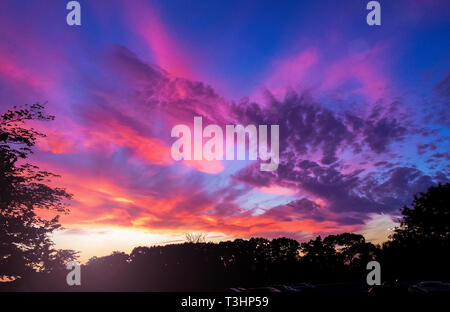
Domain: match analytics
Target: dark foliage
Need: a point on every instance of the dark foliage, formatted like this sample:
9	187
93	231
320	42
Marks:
25	245
420	246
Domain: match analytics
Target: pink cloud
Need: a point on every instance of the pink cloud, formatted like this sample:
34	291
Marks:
56	142
290	72
278	190
147	23
111	131
364	67
206	166
361	73
19	74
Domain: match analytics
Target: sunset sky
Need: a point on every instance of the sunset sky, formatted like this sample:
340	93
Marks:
363	113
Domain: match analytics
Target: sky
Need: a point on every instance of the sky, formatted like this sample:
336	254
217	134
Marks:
362	111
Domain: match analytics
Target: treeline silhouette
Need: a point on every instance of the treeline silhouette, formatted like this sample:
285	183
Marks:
25	242
252	263
417	250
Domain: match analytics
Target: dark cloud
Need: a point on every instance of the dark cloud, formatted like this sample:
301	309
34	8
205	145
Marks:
296	210
443	87
423	148
307	128
379	134
437	105
254	176
398	188
445	156
304	125
226	209
196	203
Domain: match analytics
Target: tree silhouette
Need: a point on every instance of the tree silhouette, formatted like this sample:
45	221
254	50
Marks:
420	244
25	245
428	219
195	238
352	249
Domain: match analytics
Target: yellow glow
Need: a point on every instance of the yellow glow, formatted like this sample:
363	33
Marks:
96	241
123	200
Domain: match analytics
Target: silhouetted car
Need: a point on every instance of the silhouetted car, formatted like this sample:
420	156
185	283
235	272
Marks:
389	287
284	288
264	290
430	287
302	287
236	289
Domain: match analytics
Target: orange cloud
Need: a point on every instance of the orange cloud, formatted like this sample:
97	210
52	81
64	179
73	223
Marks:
56	142
152	150
100	202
